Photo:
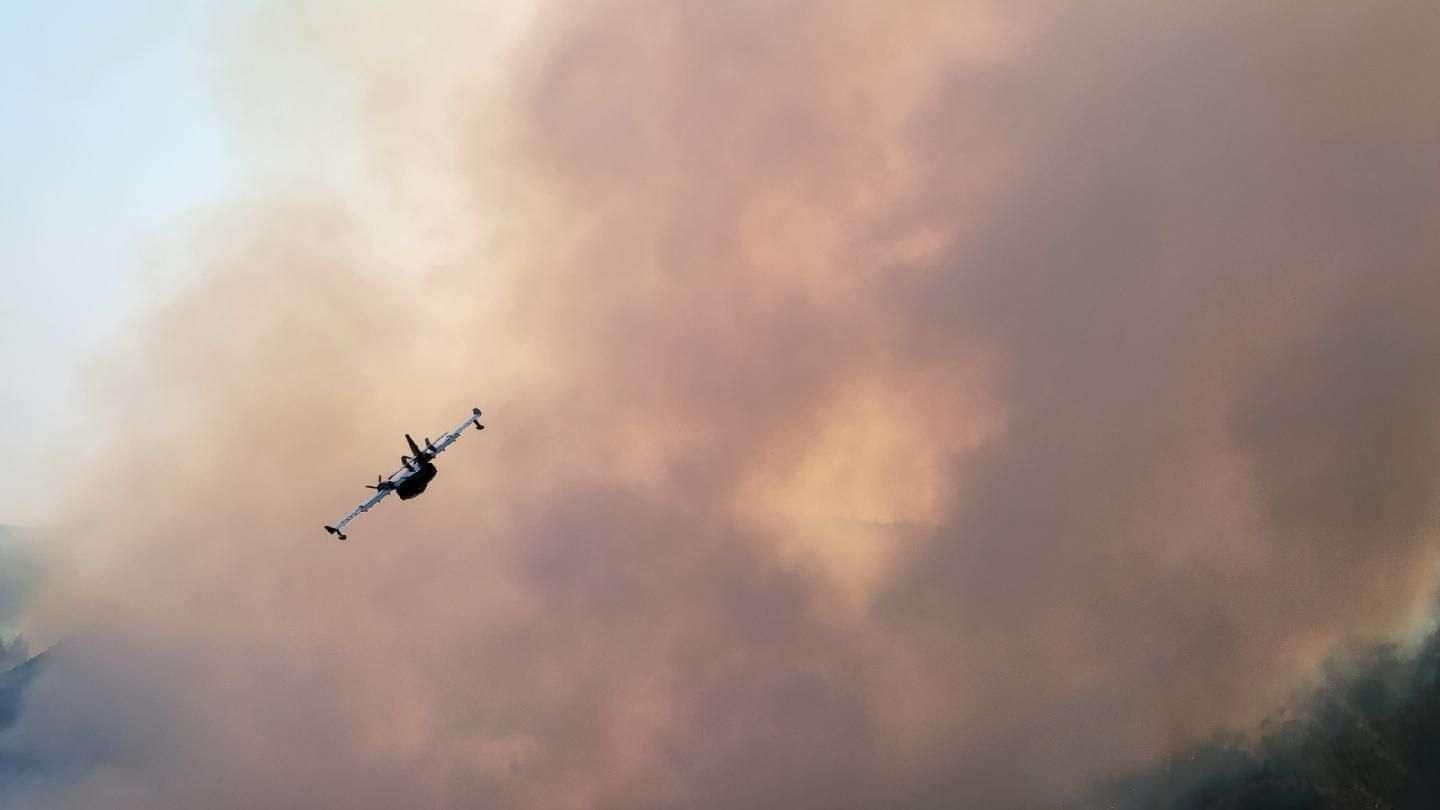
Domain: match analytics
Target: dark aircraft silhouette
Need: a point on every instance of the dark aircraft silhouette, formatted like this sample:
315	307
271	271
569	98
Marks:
412	478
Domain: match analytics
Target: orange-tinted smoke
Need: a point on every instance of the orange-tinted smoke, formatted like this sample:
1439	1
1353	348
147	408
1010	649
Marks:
915	406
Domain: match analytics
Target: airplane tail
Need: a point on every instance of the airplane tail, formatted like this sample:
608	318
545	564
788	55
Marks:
335	531
414	448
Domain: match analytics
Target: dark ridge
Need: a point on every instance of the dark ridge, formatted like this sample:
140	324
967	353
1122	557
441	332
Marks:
13	683
1369	738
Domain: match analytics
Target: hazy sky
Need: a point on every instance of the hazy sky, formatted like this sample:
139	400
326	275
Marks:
111	136
905	405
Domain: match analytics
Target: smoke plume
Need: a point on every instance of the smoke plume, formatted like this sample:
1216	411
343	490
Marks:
890	405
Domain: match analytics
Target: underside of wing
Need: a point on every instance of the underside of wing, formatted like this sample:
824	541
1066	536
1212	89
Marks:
338	527
453	435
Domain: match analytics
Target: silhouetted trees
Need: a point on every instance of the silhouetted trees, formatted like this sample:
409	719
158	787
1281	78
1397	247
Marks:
1369	739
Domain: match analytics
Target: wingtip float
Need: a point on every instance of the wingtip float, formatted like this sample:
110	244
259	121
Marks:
416	473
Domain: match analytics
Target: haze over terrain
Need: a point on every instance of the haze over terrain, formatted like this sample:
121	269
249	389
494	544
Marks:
906	405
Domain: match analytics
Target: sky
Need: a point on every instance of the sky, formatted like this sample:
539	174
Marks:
111	138
910	405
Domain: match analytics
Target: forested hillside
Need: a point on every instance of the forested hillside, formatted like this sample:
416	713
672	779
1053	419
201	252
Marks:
1370	738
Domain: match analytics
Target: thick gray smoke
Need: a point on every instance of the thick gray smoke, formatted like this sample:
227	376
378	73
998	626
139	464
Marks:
925	405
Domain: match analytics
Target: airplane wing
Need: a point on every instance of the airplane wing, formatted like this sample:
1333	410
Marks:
451	437
383	487
338	528
387	485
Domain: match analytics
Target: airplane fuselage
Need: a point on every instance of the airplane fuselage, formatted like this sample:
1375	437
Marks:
416	482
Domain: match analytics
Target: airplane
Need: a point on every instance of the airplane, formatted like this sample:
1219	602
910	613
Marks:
411	479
